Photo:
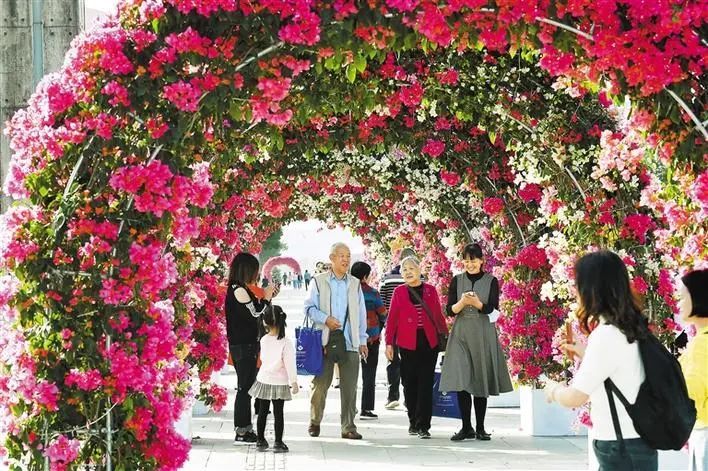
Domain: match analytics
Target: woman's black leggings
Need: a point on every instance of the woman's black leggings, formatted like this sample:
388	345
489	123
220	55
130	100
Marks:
464	401
277	415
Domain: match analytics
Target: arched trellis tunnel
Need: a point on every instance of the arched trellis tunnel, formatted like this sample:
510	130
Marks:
274	262
182	131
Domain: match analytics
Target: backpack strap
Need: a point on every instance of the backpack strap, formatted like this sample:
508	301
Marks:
610	387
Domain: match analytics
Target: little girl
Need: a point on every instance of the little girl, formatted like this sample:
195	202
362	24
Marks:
276	377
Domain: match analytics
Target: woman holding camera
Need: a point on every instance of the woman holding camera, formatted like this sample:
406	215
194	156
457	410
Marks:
474	364
243	313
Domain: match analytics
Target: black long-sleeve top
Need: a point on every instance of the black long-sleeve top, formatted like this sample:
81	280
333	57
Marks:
487	308
242	320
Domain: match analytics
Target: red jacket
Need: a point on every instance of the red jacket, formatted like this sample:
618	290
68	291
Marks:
402	322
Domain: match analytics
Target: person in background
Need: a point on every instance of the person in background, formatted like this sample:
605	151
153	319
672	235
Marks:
474	363
243	311
307	277
693	309
389	283
414	322
610	312
375	320
276	378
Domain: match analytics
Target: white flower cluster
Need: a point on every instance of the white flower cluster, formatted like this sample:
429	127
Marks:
204	259
562	259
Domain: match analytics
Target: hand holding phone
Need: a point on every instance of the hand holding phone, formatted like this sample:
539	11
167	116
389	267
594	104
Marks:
569	332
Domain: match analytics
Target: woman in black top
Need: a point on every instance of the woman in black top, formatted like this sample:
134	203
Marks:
474	365
243	312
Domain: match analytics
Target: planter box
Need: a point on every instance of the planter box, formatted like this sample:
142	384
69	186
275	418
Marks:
669	460
507	400
183	426
200	408
541	419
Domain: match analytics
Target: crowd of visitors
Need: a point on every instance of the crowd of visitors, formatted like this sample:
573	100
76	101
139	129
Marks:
617	373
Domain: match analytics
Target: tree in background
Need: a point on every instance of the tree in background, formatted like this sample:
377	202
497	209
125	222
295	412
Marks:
272	246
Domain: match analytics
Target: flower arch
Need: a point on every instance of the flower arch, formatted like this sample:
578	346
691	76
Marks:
181	131
273	262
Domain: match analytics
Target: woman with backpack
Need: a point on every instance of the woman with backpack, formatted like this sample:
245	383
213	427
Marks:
693	309
611	314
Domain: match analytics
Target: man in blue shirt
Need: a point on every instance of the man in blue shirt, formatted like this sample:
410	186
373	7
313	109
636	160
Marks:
336	303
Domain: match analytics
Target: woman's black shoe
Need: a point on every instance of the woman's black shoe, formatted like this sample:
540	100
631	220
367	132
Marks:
423	434
463	435
412	430
280	447
261	445
484	436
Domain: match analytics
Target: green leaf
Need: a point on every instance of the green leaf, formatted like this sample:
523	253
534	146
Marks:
360	63
330	63
492	136
351	73
409	41
156	25
235	111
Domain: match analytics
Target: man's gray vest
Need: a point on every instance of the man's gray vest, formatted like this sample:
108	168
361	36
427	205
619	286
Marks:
322	282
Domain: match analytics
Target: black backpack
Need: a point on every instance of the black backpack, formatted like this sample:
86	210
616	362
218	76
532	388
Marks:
663	414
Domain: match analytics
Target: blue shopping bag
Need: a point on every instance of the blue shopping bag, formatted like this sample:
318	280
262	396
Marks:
309	356
444	403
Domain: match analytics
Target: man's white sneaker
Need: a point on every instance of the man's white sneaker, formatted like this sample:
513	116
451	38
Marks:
392	405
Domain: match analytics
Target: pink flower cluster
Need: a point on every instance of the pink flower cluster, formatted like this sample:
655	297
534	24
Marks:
183	95
61	452
85	380
433	148
157	189
493	206
699	193
450	178
637	226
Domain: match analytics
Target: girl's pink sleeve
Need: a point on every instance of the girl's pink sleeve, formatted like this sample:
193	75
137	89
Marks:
289	361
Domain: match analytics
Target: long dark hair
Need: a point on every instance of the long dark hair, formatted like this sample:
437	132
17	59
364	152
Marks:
243	270
602	282
275	317
696	282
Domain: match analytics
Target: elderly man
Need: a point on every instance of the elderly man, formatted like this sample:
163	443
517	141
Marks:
337	303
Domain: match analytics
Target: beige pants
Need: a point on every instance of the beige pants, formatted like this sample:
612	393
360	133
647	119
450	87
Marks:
348	378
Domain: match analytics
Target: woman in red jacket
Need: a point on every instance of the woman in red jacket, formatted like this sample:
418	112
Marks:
414	320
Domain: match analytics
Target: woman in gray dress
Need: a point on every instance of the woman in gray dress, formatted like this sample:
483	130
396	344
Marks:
474	364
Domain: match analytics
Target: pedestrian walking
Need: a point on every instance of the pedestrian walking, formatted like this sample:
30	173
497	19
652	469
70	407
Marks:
414	322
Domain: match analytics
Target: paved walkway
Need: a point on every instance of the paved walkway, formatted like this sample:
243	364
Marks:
386	444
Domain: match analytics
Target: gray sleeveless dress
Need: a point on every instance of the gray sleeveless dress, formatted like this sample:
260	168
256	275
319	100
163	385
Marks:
474	361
